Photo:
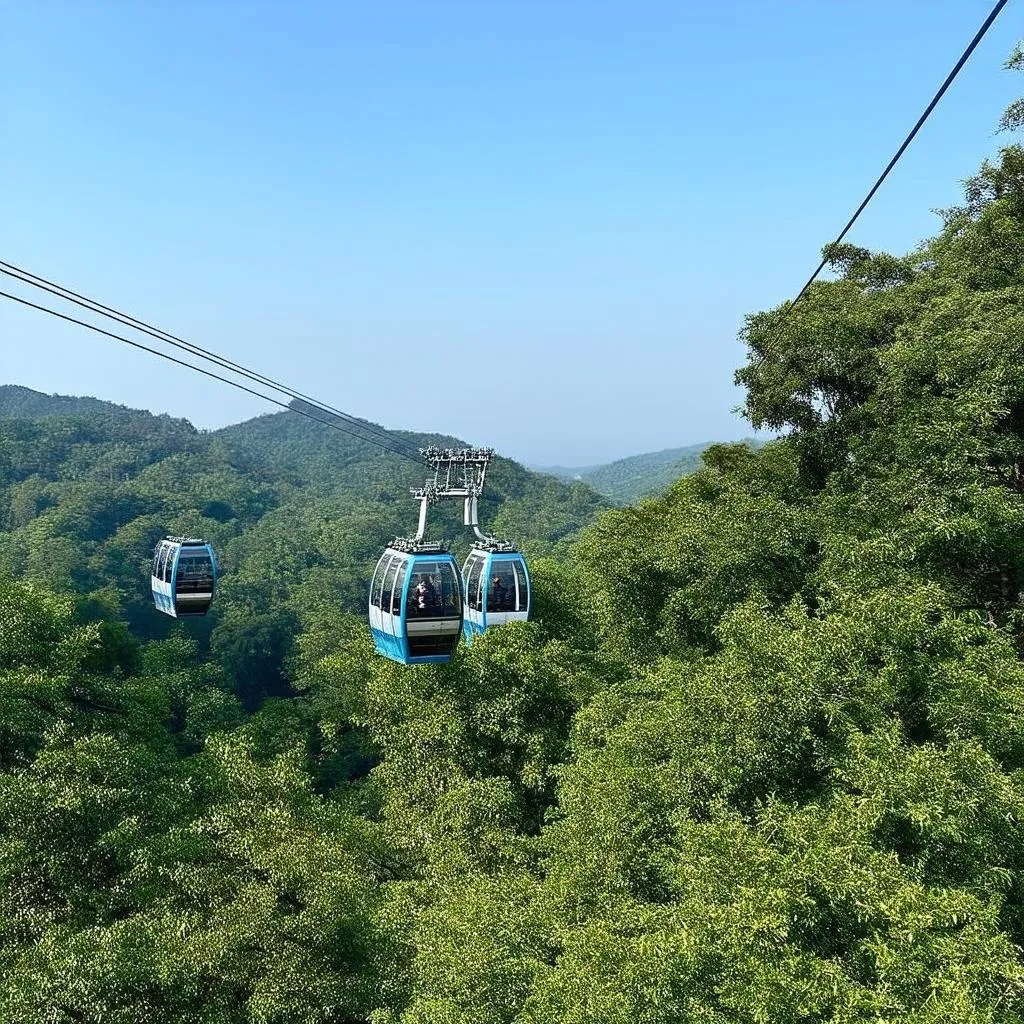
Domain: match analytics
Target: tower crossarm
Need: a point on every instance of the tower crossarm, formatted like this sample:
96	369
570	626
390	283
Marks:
458	473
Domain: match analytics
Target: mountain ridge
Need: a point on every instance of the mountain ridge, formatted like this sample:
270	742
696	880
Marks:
622	481
639	476
87	487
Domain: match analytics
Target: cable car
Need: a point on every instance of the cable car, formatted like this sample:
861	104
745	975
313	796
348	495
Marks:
497	587
416	603
184	577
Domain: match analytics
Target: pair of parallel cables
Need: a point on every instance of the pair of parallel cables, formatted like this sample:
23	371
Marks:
311	408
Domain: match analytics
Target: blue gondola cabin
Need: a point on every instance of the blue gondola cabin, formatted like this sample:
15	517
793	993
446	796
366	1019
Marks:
416	606
184	577
497	590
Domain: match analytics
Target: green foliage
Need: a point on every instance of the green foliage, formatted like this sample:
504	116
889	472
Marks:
140	884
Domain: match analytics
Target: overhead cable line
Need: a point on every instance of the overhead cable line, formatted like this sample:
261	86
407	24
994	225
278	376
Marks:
209	373
127	320
964	57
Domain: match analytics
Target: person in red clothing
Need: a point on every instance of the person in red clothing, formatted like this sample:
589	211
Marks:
424	599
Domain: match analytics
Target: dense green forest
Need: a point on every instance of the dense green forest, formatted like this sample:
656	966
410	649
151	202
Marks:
759	758
298	514
625	481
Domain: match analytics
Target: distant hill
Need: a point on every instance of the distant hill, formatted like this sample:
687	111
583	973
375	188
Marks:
640	476
298	512
567	472
18	402
637	476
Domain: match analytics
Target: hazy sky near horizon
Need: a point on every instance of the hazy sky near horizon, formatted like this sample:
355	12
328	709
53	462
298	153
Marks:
534	225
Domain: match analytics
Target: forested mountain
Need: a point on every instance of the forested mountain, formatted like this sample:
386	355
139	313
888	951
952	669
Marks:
758	758
638	476
298	513
24	403
565	472
627	480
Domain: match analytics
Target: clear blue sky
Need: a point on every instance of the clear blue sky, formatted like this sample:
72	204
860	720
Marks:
536	225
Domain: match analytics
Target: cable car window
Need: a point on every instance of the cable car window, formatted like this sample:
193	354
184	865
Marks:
434	591
473	581
378	580
524	587
377	573
501	591
451	590
195	571
424	590
384	598
165	558
155	571
396	597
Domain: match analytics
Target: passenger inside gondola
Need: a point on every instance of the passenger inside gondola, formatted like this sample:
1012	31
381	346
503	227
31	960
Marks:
501	593
424	597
